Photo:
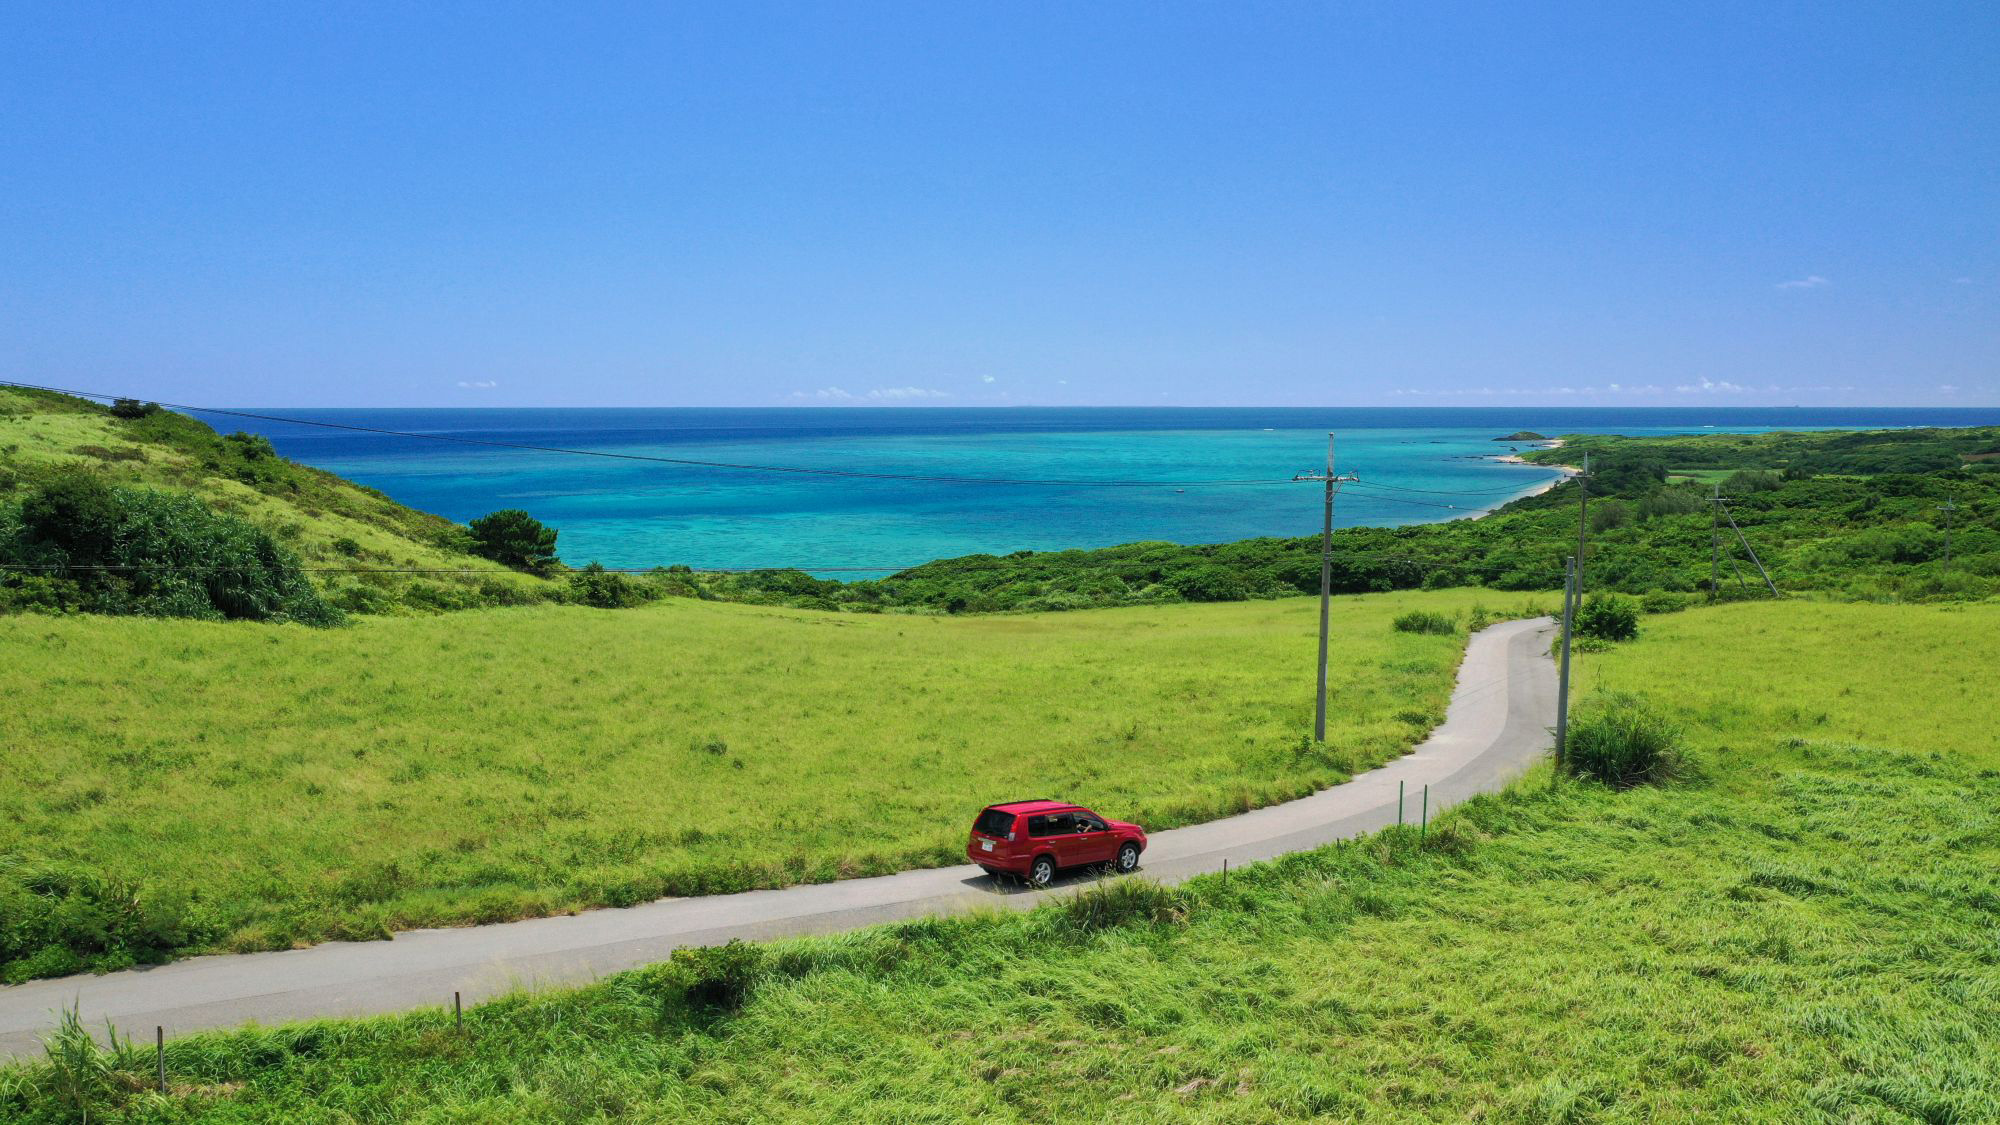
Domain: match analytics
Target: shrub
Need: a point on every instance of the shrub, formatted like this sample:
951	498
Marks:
1610	514
1751	480
59	920
1426	621
1664	601
1209	584
133	408
347	546
1608	617
1670	502
514	537
138	551
718	978
596	586
1620	740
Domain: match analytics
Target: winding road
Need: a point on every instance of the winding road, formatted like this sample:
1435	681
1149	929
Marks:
1497	725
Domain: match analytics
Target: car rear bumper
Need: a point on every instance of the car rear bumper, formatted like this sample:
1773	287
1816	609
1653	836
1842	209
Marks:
996	859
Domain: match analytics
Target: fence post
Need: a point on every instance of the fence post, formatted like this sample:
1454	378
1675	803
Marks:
160	1054
1399	804
457	1013
1424	825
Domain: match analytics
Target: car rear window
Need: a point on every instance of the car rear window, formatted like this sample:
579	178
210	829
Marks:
993	822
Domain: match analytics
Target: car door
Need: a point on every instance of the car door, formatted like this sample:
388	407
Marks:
1065	840
1095	842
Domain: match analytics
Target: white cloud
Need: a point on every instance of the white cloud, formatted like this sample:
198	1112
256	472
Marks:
1947	388
1709	386
1065	383
1963	281
901	393
1810	281
824	394
986	378
477	384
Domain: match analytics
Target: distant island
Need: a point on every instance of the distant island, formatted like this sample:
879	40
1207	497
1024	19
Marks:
1522	435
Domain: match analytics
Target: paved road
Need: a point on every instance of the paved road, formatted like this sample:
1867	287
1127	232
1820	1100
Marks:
1496	726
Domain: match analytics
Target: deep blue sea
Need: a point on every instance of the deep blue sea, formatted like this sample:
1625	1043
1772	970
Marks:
638	514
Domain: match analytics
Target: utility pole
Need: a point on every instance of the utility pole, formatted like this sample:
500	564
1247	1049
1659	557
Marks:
1715	546
1582	518
1333	484
1947	508
1562	687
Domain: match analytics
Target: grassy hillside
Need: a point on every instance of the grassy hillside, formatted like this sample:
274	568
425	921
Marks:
329	521
1803	931
265	785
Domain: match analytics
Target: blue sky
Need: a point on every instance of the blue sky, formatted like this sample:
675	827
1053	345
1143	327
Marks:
743	204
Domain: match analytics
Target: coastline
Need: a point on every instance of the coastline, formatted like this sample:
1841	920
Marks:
1569	472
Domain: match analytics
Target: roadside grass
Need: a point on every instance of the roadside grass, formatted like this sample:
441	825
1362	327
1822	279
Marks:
272	786
1808	929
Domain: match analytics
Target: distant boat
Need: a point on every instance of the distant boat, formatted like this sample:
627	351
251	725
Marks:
1180	490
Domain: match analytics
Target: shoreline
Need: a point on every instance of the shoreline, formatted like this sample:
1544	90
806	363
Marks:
1569	472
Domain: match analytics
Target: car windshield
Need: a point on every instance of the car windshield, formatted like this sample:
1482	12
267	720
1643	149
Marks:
995	823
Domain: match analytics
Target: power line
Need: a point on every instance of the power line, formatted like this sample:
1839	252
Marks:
795	470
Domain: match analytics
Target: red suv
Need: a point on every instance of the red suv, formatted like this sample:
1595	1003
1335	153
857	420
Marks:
1031	839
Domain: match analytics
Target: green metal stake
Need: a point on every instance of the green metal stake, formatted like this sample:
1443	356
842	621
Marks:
1399	804
160	1054
1426	822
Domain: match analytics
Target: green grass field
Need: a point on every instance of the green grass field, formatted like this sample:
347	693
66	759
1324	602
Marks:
1808	929
305	784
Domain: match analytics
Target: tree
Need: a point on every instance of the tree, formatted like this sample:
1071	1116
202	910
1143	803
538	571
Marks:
514	537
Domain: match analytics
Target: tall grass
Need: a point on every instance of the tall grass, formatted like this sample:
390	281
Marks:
285	785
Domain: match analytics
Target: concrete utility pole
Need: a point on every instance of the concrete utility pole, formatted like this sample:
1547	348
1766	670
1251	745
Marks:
1582	518
1947	508
1562	686
1325	576
1715	546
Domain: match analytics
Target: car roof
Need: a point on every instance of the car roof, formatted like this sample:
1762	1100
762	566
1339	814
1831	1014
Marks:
1035	805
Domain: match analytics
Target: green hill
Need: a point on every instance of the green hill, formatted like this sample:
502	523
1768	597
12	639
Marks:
366	552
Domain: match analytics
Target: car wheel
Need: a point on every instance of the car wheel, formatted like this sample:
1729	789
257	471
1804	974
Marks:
1128	858
1042	872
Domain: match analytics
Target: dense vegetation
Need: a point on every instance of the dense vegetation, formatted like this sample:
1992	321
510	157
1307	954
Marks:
368	553
1801	928
1853	514
255	787
78	543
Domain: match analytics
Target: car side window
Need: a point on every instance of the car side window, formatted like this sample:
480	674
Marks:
1085	822
1044	826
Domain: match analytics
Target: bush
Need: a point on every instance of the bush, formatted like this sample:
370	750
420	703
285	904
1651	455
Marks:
1124	901
1664	601
514	537
58	920
1751	480
137	551
1608	617
596	586
1620	740
133	408
1426	621
1609	515
347	546
718	978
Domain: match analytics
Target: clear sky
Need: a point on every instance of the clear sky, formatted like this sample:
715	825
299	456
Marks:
1156	203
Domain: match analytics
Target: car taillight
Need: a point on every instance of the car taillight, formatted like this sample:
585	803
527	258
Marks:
1010	836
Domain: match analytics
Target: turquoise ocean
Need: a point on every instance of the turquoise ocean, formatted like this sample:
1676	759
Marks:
1415	465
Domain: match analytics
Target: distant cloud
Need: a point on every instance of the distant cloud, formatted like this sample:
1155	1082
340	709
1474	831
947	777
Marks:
1709	386
477	384
1947	388
986	378
825	394
1963	281
1811	281
904	393
1065	383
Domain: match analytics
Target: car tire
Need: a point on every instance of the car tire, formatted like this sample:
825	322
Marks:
1128	859
1042	872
